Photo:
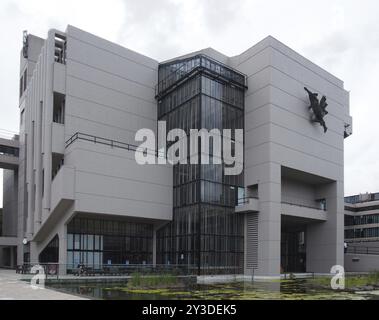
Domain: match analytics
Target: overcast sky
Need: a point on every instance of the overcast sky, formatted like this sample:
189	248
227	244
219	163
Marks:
341	36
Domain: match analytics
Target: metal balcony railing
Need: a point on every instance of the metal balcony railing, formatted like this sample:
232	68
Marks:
304	206
245	200
51	270
193	65
362	250
7	147
105	141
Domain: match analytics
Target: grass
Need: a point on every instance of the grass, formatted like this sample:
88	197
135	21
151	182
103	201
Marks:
358	281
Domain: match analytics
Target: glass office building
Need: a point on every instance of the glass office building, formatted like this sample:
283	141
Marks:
206	233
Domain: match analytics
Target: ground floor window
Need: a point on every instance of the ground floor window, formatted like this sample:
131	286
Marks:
207	237
51	253
98	242
293	251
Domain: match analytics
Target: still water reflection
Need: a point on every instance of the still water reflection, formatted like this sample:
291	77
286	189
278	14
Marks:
284	289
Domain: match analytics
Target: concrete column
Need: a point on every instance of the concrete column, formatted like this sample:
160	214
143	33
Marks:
34	253
154	246
62	234
325	240
48	121
269	220
1	257
12	257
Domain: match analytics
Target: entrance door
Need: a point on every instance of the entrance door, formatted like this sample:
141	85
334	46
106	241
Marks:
293	251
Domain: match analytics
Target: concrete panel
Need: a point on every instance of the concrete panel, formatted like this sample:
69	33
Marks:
108	180
84	53
296	88
252	205
58	138
302	73
96	115
258	99
303	212
293	158
8	241
59	84
111	47
8	162
104	96
293	55
255	62
63	186
10	206
361	262
258	82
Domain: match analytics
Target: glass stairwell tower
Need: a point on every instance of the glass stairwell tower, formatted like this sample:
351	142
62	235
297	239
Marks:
205	233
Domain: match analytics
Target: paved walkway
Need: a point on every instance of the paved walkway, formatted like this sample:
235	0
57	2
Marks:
12	288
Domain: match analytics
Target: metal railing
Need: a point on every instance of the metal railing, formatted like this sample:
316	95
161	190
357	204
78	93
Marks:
126	270
245	200
362	250
107	142
220	270
202	62
51	270
303	205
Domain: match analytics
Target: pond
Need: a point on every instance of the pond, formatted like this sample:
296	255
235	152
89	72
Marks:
303	289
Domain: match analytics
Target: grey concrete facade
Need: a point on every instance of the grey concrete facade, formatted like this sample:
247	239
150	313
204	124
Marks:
106	92
361	262
290	159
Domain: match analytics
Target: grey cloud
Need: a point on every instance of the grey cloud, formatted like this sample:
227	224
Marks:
219	15
152	26
342	36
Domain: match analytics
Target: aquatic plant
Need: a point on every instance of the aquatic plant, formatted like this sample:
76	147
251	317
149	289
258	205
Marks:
152	281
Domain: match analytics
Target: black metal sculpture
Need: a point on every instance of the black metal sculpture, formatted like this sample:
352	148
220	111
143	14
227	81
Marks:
318	108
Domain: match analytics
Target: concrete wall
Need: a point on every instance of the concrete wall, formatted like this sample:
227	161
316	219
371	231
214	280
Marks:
1	222
367	243
298	192
109	181
109	89
109	93
278	133
10	186
361	262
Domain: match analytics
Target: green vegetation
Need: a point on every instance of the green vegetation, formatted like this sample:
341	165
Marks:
351	282
168	286
137	281
239	291
374	277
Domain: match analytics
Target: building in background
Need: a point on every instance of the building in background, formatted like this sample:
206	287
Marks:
9	148
362	220
82	198
362	232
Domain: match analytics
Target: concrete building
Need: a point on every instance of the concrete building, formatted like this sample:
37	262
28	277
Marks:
82	198
362	232
8	226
